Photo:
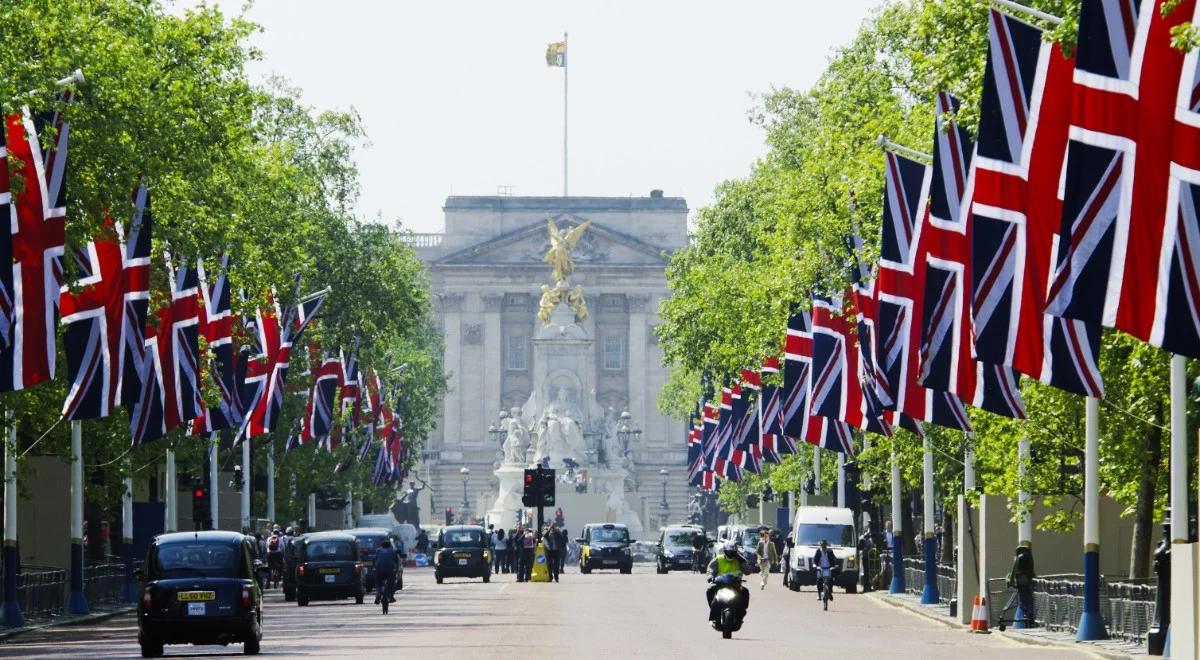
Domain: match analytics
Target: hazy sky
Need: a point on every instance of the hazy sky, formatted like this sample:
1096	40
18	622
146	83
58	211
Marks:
457	98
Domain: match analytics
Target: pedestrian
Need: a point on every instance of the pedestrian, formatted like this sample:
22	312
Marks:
561	557
514	551
518	542
499	552
527	543
550	543
768	556
422	542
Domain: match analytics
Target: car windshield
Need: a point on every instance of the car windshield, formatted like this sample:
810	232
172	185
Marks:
464	538
198	559
367	545
679	539
329	551
750	537
609	535
835	534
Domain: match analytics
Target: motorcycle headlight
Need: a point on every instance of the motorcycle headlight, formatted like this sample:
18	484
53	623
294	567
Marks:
486	555
850	561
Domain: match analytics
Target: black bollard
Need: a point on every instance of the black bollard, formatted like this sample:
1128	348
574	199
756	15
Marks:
1157	637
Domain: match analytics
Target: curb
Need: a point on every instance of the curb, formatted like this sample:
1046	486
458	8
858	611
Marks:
1009	635
6	635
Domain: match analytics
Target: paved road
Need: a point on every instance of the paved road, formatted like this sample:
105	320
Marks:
602	615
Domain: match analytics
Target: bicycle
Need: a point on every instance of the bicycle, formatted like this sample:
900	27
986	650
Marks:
825	586
385	588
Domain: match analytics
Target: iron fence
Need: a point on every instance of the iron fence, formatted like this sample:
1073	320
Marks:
41	591
1126	605
104	583
914	579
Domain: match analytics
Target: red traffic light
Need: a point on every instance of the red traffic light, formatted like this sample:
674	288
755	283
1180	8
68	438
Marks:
528	478
199	492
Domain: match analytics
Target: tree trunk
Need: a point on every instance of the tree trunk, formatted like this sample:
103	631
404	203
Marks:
910	531
1143	522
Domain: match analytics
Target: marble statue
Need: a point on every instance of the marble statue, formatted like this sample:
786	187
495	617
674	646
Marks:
514	443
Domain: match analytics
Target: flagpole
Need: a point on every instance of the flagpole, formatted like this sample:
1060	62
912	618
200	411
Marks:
12	606
564	68
78	601
213	488
246	486
271	482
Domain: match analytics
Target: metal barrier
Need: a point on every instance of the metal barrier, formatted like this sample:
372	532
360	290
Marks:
1127	606
104	583
947	582
41	591
914	579
914	575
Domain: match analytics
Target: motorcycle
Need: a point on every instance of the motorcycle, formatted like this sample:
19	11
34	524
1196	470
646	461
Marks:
729	603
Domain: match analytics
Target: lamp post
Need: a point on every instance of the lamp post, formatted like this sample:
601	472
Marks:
664	508
466	477
626	432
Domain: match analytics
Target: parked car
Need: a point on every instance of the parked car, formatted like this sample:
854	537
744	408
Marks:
813	524
605	546
675	547
369	540
199	588
328	568
462	551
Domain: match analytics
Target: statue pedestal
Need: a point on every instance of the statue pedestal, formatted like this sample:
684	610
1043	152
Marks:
610	483
503	513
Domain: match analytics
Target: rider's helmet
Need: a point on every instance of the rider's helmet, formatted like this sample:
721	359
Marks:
730	548
290	532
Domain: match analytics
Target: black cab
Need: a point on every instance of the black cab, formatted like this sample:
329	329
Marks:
199	588
369	542
605	546
462	551
677	547
328	568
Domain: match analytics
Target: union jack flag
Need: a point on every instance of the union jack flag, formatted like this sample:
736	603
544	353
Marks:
773	444
1130	231
747	452
709	419
899	290
266	372
327	383
171	370
216	326
1016	212
944	254
695	447
728	419
833	435
381	473
31	276
105	316
837	388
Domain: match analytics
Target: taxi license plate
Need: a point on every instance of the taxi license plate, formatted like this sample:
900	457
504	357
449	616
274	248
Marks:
462	562
330	571
195	595
462	555
196	609
330	578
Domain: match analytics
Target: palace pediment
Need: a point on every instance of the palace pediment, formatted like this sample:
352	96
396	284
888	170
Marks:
599	245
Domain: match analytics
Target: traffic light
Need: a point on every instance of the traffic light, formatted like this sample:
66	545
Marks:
449	515
539	487
201	513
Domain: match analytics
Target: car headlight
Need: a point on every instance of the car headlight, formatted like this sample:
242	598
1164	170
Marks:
668	554
627	550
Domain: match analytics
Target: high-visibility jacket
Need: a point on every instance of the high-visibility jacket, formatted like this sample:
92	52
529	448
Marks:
727	566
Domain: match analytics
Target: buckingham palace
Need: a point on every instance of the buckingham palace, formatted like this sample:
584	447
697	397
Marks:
487	272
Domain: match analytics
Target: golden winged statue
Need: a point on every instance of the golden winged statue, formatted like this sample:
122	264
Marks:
558	257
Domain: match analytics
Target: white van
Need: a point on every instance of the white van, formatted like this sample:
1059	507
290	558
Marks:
835	525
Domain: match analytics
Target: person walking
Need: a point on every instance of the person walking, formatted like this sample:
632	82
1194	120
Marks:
562	551
768	556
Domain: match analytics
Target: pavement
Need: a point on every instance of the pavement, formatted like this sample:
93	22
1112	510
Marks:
601	615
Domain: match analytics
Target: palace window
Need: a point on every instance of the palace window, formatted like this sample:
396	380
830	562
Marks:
614	358
516	353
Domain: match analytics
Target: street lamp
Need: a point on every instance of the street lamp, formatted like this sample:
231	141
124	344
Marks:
466	476
626	432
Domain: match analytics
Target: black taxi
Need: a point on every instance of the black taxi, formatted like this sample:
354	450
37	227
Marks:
605	546
328	568
199	588
462	551
369	542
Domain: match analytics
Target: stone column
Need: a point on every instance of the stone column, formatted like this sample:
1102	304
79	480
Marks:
493	358
640	396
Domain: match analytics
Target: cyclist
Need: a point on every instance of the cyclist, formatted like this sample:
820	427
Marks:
824	563
386	561
275	555
699	550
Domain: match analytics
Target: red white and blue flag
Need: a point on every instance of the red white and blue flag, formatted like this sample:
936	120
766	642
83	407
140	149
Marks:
773	444
104	314
31	274
219	366
837	383
1128	258
1025	117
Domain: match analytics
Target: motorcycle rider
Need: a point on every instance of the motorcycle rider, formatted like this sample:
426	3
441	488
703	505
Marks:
729	562
824	559
386	561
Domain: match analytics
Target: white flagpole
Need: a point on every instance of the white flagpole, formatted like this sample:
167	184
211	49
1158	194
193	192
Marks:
564	68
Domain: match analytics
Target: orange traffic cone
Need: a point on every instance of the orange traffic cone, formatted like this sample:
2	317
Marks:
979	616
